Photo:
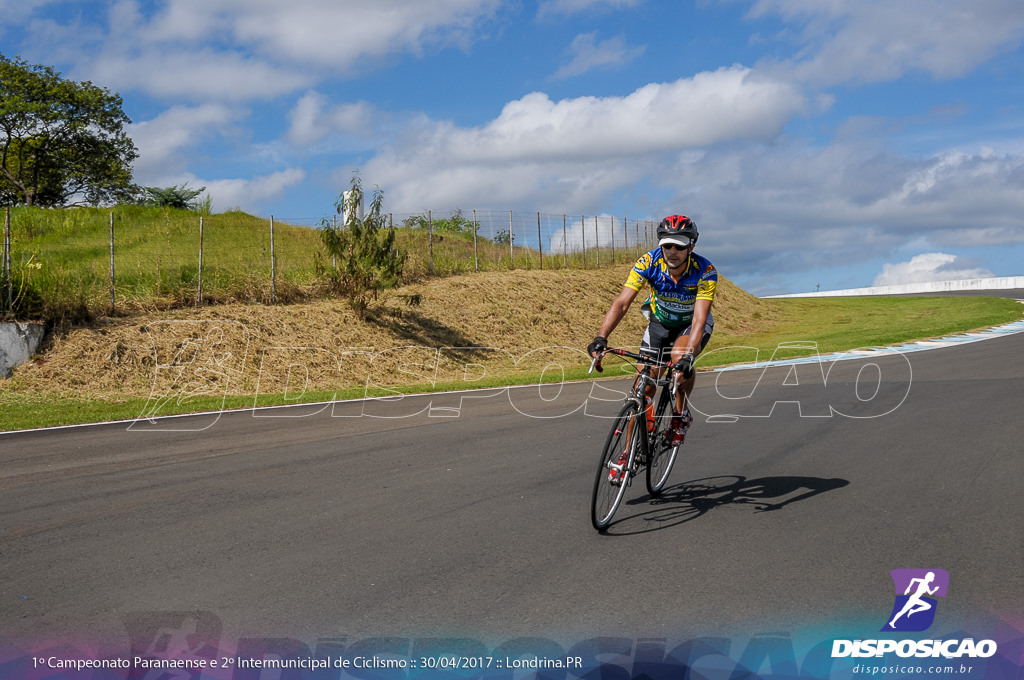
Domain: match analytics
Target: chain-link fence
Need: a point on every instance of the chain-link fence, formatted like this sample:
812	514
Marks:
79	262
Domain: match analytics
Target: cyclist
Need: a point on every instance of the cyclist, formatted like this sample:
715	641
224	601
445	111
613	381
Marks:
682	290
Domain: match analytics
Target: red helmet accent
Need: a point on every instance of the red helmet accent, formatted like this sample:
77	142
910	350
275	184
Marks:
678	226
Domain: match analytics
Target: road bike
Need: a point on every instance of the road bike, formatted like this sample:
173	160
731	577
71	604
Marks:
640	438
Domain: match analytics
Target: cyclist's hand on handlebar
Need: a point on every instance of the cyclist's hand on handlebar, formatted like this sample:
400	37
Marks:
685	365
596	349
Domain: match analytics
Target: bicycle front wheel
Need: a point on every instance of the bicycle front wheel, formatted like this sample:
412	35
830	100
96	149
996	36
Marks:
663	454
613	474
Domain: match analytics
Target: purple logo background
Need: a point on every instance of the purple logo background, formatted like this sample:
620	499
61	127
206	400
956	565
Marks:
915	605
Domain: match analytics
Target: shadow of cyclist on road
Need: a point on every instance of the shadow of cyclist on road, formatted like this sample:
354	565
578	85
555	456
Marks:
687	501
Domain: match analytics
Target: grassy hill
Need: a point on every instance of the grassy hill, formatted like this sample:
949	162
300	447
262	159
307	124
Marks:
515	312
64	259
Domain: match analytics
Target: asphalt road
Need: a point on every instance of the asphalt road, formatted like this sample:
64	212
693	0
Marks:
321	527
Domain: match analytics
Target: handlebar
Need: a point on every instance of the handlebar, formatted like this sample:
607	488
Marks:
645	358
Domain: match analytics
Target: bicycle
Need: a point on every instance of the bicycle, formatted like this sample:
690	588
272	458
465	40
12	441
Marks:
642	432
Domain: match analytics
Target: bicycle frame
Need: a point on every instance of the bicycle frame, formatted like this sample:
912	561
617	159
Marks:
644	449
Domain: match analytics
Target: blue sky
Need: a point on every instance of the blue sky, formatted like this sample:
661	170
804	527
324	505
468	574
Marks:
831	143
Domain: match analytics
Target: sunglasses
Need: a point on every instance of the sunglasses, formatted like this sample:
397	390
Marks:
674	246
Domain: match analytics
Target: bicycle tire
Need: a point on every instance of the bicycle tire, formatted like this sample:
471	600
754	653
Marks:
608	496
662	454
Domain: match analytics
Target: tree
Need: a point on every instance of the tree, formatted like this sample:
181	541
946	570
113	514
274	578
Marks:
181	197
61	142
360	257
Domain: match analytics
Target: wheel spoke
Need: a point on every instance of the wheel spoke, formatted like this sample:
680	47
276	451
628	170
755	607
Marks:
662	453
612	476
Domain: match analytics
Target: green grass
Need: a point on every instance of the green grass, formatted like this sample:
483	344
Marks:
836	324
61	260
832	324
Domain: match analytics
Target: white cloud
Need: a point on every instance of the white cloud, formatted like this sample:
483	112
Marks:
15	11
312	119
548	187
200	74
772	208
202	50
567	7
338	34
730	103
168	145
123	57
764	209
928	267
324	33
164	142
250	194
588	54
536	143
867	41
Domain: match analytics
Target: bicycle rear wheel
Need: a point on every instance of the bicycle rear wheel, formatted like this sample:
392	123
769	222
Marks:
662	454
612	479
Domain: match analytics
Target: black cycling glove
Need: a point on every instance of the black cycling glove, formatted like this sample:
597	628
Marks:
685	365
598	345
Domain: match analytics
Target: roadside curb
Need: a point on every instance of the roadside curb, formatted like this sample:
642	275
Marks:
916	346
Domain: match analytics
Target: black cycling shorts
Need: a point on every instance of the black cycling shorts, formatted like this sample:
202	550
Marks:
662	338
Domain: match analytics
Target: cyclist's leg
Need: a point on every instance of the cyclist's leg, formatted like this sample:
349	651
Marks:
660	339
685	385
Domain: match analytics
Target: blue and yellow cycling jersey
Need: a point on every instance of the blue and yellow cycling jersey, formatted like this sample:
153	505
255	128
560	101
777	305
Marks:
672	302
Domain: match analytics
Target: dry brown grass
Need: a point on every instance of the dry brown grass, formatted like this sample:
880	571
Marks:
516	311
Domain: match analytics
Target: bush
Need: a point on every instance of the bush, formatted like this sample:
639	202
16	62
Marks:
456	224
181	198
360	258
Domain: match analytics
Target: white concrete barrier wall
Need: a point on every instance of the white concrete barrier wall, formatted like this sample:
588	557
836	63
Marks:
18	342
1000	283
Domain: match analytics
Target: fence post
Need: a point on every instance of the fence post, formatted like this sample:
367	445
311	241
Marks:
511	253
583	235
199	294
112	301
430	240
476	256
565	236
7	268
637	225
625	233
597	242
540	247
273	265
611	222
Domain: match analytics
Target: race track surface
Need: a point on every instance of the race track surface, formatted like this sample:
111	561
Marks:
319	527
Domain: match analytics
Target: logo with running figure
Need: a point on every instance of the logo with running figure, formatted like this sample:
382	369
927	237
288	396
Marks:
916	590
